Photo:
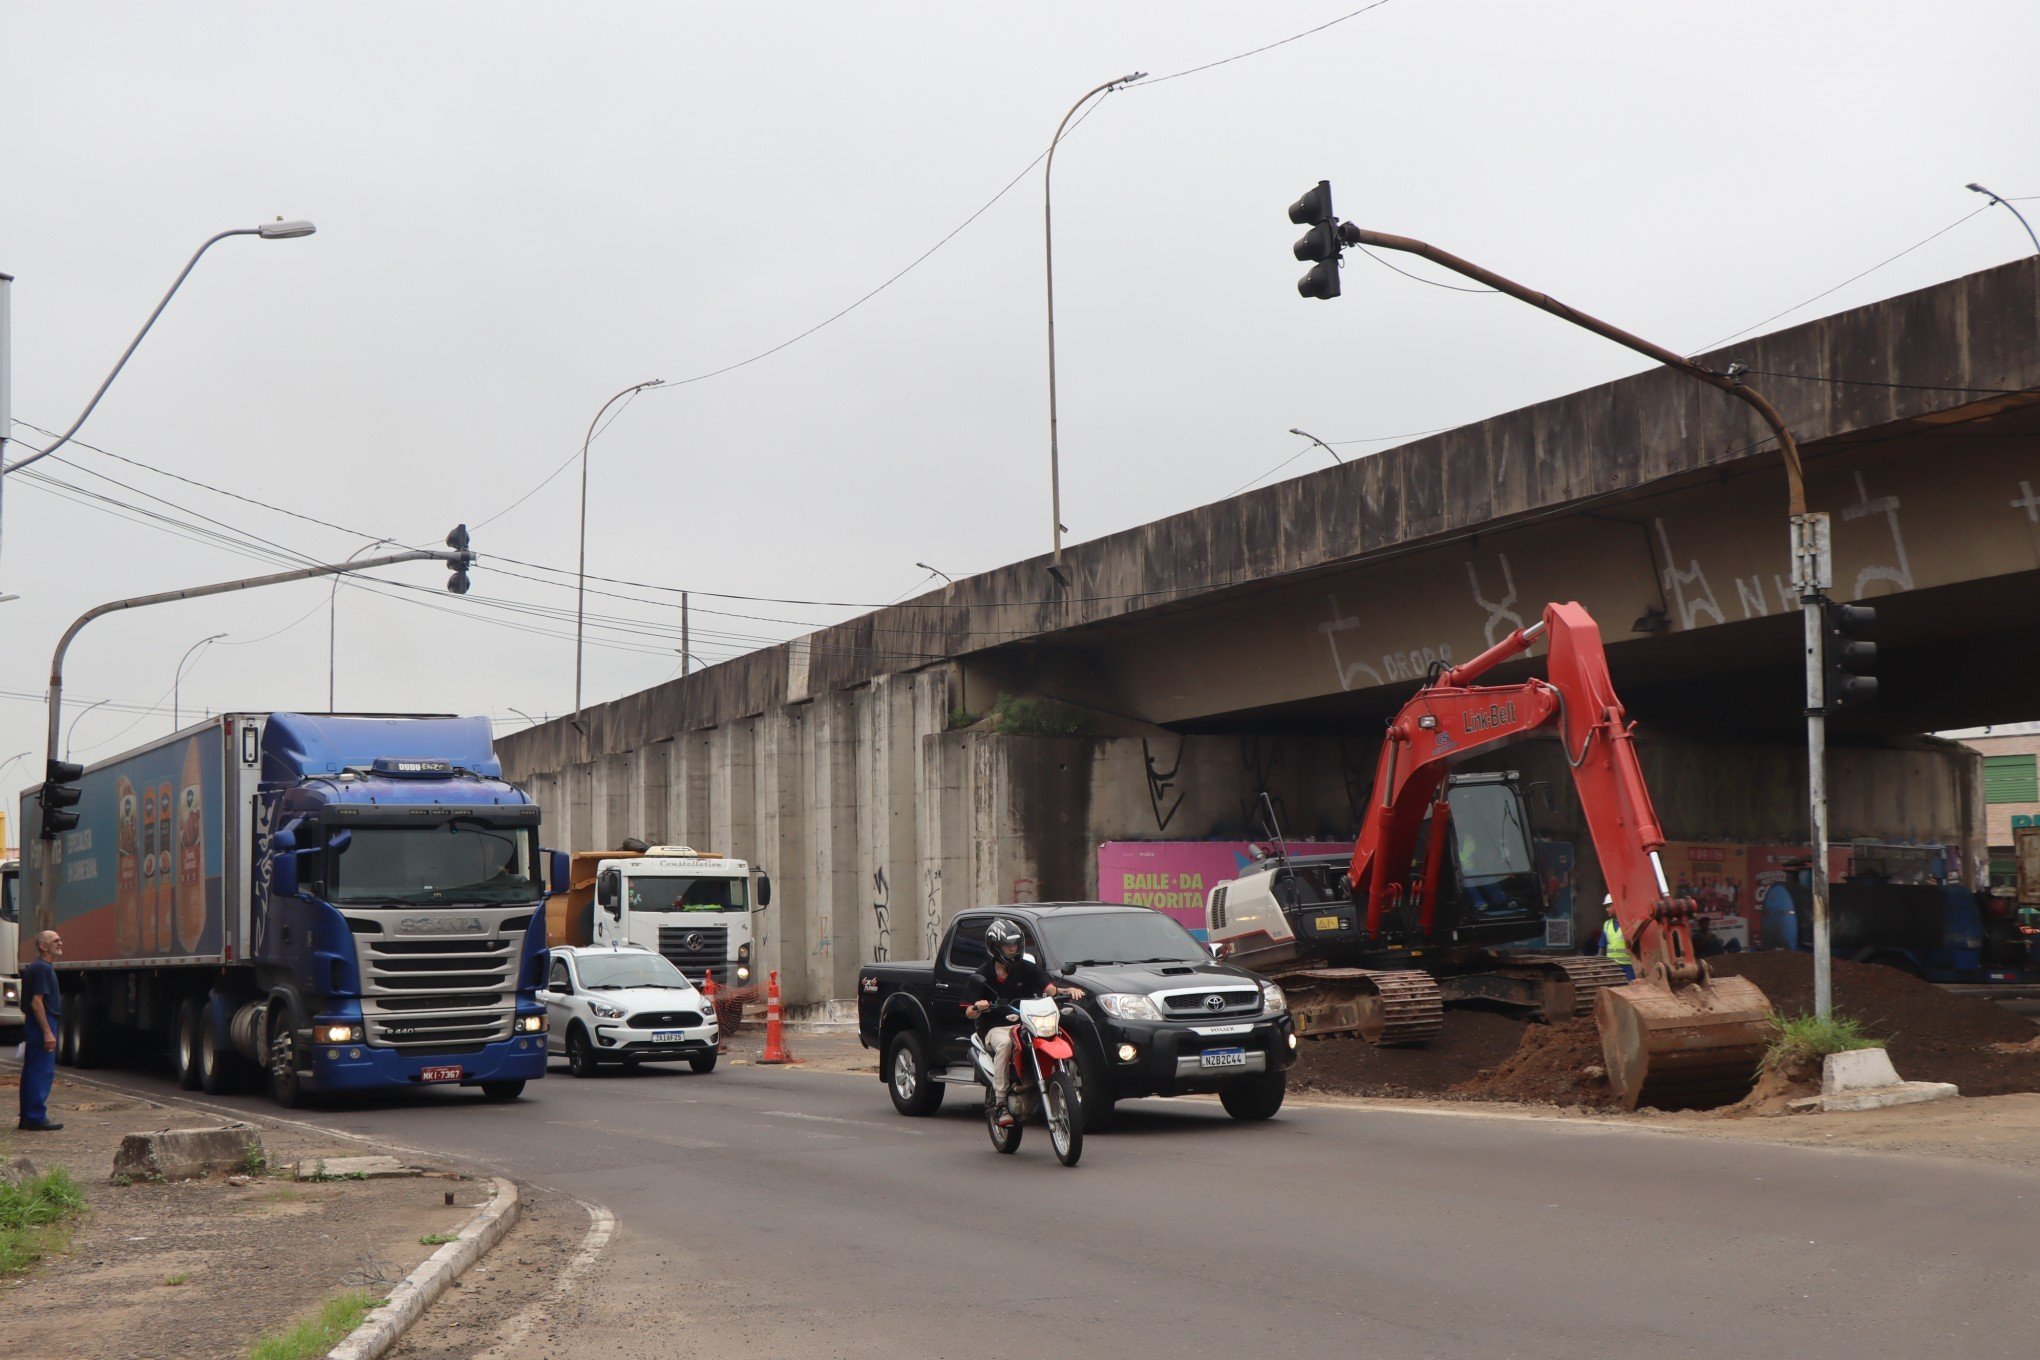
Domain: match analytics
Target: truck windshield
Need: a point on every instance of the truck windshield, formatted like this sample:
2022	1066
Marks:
9	911
689	894
606	972
1120	937
461	860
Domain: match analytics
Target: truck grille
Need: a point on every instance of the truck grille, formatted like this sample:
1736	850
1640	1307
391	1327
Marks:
444	995
697	951
1204	1003
663	1020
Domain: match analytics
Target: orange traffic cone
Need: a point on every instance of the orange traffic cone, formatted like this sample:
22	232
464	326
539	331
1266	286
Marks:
775	1034
708	994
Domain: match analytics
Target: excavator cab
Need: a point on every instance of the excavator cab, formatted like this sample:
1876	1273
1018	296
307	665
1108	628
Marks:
1489	892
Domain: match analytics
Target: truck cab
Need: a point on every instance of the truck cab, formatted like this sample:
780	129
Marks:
694	908
11	1018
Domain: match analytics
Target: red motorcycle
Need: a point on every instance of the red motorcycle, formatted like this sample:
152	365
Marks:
1044	1082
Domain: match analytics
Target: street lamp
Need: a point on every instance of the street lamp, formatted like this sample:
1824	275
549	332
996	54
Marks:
278	230
1995	200
1320	443
6	764
333	619
1048	261
177	678
936	571
72	730
581	570
522	714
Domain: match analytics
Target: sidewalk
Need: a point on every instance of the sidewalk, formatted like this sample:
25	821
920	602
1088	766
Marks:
204	1268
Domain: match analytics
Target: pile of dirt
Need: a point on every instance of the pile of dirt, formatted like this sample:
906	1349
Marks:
1932	1034
1553	1065
1777	1087
1470	1042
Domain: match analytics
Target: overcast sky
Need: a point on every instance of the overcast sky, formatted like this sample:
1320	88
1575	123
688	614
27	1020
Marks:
523	208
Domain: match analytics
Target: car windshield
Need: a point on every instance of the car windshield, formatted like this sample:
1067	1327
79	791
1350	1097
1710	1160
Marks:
688	894
462	860
603	972
1137	936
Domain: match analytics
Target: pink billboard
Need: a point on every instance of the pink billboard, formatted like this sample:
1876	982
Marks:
1174	876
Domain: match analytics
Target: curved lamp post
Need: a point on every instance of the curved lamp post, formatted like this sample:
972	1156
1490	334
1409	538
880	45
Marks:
581	568
1320	443
72	730
177	679
333	617
1996	201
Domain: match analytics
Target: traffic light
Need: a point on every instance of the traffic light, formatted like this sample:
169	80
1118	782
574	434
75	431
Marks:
60	793
1320	244
1847	656
458	541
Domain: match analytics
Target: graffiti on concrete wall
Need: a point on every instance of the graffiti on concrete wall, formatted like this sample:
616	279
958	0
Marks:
1687	604
1161	783
1502	618
1898	570
1411	664
931	918
2027	501
1260	802
881	907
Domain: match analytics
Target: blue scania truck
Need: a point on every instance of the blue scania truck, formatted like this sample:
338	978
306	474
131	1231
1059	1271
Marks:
320	903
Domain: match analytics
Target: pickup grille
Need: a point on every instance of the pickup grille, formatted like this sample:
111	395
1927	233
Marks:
697	951
663	1020
1204	1003
447	994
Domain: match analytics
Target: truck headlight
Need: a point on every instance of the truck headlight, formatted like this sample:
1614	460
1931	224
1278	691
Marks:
337	1034
1129	1006
605	1010
744	953
1272	1000
531	1024
743	973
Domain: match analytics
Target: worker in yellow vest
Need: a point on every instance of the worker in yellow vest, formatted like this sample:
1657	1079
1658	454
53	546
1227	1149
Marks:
1612	942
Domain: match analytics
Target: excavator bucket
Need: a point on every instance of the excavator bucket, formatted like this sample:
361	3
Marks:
1683	1048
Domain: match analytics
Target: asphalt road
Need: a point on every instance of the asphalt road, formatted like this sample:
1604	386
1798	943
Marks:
777	1212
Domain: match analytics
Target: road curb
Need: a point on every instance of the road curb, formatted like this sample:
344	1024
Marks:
390	1319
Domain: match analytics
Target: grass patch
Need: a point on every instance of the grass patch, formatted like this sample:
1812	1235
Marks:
174	1280
255	1162
318	1333
438	1239
36	1218
960	718
321	1176
1809	1038
1036	718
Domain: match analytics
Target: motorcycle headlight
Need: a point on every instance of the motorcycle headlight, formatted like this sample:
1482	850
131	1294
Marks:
1272	999
606	1010
1129	1006
1045	1026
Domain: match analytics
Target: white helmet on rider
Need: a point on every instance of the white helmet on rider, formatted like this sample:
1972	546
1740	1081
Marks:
1003	938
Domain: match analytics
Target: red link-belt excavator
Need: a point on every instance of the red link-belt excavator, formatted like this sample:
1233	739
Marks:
1375	950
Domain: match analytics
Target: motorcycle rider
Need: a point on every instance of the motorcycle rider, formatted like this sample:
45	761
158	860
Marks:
1005	978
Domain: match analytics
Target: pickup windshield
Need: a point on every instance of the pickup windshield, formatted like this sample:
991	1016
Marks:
1120	937
462	860
688	894
614	971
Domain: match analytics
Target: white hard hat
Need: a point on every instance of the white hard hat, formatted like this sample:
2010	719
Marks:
1608	900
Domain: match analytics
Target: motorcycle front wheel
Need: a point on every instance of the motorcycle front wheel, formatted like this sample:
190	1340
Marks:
1003	1140
1065	1117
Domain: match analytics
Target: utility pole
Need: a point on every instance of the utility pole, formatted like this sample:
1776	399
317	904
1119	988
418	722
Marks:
684	659
1810	542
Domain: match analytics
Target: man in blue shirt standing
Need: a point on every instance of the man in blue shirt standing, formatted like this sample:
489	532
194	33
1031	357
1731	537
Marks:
43	1006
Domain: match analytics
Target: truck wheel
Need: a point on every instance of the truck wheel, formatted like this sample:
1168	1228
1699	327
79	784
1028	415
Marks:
1260	1098
286	1084
89	1038
502	1090
67	1033
581	1059
184	1058
914	1093
219	1069
1094	1089
703	1063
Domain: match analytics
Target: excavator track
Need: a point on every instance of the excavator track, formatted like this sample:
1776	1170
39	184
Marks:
1387	1008
1588	976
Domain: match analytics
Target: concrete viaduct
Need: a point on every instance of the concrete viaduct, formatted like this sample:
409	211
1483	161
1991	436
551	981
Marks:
1255	644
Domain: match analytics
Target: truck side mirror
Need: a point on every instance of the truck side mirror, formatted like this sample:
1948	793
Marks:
283	861
609	893
764	890
340	840
559	870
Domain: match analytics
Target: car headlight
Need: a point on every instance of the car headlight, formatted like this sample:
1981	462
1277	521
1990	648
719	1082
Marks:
1129	1006
337	1034
1272	999
605	1010
531	1024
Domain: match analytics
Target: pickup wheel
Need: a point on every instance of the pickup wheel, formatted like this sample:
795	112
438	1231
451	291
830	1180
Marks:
914	1093
581	1059
1255	1100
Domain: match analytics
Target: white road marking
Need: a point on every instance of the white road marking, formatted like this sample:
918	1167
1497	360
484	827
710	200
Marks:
832	1119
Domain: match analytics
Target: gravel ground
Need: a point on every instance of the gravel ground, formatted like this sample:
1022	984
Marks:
251	1258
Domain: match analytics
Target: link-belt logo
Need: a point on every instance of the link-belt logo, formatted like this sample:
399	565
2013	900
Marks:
1494	715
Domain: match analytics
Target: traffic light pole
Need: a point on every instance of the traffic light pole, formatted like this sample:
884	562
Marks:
460	559
1811	558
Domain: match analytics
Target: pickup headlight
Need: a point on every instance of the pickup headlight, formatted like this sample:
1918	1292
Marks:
1129	1006
1272	1000
531	1024
605	1010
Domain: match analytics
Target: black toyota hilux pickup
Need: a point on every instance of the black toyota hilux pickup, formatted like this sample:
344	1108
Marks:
1159	1016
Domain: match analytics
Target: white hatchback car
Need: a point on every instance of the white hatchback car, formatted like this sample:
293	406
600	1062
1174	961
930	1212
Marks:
624	1003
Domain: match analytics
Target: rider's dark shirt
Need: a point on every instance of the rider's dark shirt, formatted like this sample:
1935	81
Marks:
1024	978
